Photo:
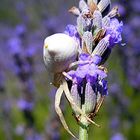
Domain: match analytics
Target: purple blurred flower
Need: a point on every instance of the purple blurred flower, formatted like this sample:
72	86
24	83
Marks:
115	123
118	136
15	46
20	29
23	104
128	33
134	23
114	32
30	52
135	46
135	5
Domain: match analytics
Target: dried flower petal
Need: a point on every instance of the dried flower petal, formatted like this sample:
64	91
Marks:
74	10
92	6
114	12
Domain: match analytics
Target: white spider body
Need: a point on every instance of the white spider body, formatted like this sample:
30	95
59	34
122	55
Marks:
59	51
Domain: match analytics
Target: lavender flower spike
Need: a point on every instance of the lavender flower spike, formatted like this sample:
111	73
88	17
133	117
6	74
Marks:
83	79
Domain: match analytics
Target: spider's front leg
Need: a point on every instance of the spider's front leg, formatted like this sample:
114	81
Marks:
59	111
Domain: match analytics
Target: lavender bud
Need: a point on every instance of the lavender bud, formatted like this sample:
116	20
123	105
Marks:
76	96
106	21
88	39
80	24
82	5
103	4
95	1
97	21
101	47
74	10
90	98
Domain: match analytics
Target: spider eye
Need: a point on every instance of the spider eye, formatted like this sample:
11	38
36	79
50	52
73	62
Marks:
45	46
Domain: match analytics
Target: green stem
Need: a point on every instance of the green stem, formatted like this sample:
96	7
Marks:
83	127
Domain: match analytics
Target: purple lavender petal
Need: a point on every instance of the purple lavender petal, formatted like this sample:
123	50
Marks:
101	73
70	30
83	57
102	87
96	59
114	31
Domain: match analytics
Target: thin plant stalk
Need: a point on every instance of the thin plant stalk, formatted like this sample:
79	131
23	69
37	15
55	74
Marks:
83	127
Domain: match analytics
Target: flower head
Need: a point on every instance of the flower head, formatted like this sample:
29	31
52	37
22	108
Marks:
99	31
88	70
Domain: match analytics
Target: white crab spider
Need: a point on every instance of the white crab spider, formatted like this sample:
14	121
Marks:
59	51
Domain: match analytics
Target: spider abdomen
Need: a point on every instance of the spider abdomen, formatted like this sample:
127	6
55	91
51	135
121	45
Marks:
59	51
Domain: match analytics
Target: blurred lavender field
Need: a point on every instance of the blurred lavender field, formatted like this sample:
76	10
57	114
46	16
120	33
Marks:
27	98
